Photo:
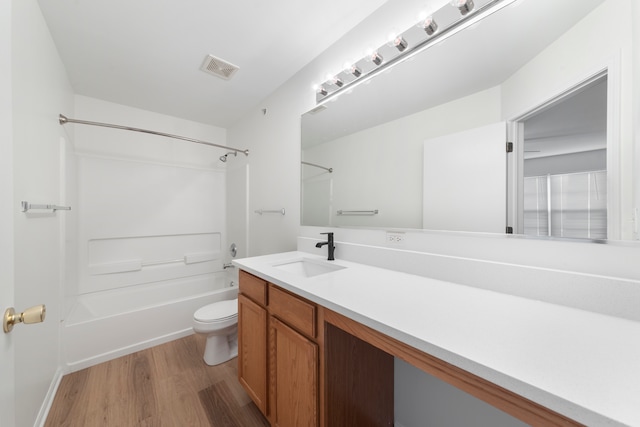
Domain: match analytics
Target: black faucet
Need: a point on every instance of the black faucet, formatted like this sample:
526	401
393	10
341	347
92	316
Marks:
329	244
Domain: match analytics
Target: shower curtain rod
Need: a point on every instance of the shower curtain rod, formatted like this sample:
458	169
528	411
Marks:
330	170
63	120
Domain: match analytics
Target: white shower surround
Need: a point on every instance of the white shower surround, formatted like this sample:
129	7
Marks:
145	236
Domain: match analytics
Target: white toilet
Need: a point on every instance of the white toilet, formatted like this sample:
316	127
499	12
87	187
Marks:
220	322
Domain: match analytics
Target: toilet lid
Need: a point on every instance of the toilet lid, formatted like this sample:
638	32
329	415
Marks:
217	311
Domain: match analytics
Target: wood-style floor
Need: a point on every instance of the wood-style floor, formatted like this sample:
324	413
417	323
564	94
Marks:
167	385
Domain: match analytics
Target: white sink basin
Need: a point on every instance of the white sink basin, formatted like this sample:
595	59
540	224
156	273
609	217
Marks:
306	267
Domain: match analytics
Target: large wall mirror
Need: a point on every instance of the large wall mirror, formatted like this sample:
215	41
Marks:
422	145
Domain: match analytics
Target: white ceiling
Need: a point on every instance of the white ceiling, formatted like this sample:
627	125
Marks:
147	53
576	124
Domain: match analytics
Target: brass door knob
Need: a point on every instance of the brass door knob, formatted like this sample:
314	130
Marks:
34	314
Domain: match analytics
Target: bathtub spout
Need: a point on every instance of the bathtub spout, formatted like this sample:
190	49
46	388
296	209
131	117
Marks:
228	265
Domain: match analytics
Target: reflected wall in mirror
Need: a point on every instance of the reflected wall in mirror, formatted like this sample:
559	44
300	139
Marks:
374	136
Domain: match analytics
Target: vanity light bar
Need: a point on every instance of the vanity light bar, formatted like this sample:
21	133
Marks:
402	48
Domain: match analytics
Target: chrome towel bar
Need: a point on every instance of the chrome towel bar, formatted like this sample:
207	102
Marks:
261	211
26	207
369	212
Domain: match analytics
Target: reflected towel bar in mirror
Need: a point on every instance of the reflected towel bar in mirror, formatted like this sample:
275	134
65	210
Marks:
364	212
261	211
26	206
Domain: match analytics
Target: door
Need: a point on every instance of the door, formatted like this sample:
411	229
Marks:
465	181
252	351
7	384
294	364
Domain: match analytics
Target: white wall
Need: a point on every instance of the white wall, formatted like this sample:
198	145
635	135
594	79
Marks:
40	91
274	161
424	400
273	175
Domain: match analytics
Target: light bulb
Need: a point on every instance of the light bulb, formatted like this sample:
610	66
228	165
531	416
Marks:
375	57
429	25
334	80
400	43
464	6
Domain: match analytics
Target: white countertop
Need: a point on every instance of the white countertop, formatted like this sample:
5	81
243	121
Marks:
583	365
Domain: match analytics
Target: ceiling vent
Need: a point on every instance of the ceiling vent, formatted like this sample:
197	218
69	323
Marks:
218	67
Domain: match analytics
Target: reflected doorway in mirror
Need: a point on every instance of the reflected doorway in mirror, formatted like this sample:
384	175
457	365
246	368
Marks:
562	183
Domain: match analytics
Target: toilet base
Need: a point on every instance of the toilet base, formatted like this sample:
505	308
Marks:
220	349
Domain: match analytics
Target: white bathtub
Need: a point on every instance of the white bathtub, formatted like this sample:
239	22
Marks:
104	325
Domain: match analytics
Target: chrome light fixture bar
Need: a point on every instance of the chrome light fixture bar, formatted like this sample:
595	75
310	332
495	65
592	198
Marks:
449	22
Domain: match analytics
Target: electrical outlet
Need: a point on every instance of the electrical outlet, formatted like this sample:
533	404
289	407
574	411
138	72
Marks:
395	238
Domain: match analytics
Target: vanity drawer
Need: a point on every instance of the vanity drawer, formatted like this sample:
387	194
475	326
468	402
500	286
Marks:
253	287
296	312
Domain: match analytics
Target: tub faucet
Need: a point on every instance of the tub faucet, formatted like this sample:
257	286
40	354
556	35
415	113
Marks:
228	265
329	244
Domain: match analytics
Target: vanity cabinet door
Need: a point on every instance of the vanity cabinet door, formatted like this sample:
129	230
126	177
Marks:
252	350
294	371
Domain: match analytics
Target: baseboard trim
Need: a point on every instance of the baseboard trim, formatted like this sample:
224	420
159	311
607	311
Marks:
48	399
123	351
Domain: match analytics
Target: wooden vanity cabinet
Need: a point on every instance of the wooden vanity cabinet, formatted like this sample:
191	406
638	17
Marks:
278	357
303	372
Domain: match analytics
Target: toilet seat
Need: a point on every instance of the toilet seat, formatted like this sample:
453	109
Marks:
221	311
